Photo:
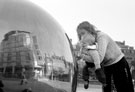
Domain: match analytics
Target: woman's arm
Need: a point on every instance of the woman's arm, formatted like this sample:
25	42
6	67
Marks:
102	46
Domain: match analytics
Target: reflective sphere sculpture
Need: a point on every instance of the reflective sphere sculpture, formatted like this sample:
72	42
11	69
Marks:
35	52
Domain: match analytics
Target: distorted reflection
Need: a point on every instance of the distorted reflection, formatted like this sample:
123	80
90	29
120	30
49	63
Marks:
57	68
19	50
35	52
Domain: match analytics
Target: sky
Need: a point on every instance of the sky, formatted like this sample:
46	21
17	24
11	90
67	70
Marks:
114	17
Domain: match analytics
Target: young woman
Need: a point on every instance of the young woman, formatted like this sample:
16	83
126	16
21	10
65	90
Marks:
112	60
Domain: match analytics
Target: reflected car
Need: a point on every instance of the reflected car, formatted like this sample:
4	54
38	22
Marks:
35	52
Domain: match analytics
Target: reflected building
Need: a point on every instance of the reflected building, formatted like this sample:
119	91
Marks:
19	49
57	68
34	43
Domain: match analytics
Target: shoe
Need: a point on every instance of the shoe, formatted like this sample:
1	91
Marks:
86	84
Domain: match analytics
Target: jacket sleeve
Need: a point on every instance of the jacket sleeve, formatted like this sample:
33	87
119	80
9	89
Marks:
102	42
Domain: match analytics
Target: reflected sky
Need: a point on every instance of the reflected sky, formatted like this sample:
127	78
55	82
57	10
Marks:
25	16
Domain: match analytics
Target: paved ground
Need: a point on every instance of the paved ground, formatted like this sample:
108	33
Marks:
89	90
44	86
92	88
37	86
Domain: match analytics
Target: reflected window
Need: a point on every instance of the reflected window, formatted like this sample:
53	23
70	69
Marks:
34	39
36	46
39	57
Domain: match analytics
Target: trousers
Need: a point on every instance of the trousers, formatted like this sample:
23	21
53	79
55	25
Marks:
121	76
86	72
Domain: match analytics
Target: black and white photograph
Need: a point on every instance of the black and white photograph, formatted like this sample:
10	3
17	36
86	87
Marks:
67	45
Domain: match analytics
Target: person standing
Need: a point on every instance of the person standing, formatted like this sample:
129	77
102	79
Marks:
1	86
111	58
24	80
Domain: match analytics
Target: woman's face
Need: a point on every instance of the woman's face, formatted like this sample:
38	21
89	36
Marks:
85	36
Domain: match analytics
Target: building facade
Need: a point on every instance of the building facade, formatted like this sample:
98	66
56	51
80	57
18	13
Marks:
128	51
20	49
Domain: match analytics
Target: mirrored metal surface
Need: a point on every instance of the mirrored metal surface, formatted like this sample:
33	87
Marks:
35	52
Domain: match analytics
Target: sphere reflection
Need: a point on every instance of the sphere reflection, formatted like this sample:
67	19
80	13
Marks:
33	47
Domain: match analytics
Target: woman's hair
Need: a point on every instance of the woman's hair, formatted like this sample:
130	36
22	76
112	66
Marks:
88	27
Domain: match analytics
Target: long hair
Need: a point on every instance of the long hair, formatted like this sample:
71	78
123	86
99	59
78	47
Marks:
88	27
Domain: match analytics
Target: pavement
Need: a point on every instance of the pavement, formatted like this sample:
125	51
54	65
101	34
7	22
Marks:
36	86
89	90
92	88
42	86
80	88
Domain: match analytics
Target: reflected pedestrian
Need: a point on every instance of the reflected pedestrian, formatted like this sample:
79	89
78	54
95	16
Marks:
23	76
1	86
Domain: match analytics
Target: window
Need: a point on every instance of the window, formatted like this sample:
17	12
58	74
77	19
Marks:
132	51
36	46
39	57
